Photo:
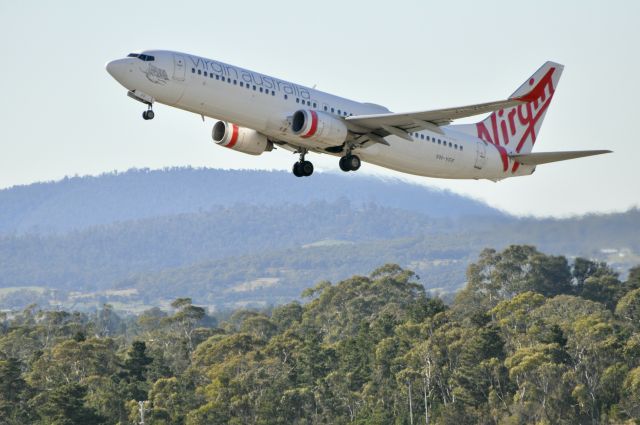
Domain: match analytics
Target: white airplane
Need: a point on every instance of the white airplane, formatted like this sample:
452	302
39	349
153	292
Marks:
258	112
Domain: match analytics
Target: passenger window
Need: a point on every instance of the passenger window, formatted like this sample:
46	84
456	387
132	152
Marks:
314	104
273	93
199	72
450	145
222	78
205	74
332	110
325	108
461	147
338	111
193	70
260	89
439	142
217	77
286	97
241	84
254	88
297	100
455	147
235	82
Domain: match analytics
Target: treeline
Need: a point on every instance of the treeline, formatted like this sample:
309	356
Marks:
532	338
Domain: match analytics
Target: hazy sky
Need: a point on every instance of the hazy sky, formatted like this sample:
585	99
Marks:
62	114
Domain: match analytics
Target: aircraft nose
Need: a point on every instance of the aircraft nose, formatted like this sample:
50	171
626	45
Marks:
117	68
110	66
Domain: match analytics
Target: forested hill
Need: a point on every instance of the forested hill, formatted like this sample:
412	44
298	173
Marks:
229	238
229	256
531	339
79	202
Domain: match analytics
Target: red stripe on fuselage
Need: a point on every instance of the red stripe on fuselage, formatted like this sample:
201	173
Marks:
234	135
504	157
314	125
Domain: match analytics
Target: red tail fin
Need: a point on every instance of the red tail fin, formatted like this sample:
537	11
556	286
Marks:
517	128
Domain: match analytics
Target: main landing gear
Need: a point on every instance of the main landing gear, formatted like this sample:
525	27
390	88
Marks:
148	114
302	168
350	163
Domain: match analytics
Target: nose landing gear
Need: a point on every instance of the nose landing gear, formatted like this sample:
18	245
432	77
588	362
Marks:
302	168
146	99
148	114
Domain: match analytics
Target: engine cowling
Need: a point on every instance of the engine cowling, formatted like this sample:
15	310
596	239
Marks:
240	139
319	127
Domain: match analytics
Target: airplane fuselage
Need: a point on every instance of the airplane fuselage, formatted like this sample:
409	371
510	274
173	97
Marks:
266	104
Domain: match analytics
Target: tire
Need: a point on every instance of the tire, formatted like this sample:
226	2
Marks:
144	116
354	162
343	164
150	114
296	170
307	168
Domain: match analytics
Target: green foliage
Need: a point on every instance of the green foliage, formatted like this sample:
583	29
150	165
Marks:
523	343
65	406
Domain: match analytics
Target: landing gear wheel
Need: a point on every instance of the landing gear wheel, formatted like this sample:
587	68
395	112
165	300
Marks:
302	169
306	167
343	164
354	162
350	163
148	115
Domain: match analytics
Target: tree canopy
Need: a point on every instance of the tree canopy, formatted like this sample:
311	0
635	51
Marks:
533	338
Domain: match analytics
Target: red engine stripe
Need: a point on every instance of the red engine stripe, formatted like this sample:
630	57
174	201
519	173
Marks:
234	136
314	125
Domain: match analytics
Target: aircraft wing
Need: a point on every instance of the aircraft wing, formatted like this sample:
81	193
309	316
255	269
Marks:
538	158
416	121
400	124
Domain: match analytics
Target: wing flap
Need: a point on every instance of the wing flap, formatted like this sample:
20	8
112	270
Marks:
538	158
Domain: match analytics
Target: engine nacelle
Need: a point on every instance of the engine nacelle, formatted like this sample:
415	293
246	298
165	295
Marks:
319	127
240	139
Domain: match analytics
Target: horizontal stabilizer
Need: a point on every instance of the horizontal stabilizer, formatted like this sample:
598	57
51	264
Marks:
538	158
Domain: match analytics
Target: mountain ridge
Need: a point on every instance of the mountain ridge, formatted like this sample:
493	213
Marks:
81	202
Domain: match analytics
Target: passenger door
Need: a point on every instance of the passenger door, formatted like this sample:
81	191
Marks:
481	154
179	67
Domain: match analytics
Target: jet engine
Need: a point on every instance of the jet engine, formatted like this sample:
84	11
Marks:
319	127
240	139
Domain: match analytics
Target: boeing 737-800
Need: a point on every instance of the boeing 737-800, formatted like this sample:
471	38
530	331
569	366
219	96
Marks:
257	112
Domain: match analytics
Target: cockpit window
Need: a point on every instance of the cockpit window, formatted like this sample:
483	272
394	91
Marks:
146	58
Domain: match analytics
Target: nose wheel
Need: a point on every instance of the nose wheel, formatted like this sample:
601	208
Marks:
350	163
302	168
148	114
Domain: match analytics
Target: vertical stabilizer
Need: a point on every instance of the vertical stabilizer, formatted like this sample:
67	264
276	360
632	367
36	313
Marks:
516	128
